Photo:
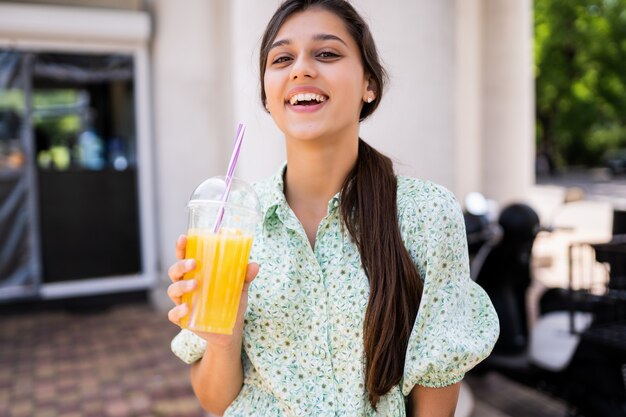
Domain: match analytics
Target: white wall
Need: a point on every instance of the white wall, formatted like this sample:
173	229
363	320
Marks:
458	109
263	147
415	124
192	106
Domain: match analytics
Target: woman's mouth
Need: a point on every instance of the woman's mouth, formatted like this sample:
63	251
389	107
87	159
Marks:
306	99
306	102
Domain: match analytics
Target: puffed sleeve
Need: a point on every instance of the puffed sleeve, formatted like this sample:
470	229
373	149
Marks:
456	325
188	346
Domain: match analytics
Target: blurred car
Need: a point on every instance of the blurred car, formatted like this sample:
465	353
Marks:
616	161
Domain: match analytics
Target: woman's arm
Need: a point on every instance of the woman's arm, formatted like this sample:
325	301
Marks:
433	402
217	378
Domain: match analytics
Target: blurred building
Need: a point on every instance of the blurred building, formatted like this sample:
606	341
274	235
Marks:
148	93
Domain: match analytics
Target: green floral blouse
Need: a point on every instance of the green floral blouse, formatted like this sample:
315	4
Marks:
303	341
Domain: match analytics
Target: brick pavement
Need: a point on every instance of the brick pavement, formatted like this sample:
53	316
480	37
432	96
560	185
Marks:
117	363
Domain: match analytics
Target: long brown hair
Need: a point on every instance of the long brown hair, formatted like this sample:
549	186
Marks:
369	212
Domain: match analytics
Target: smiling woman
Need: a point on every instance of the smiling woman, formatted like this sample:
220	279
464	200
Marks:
363	302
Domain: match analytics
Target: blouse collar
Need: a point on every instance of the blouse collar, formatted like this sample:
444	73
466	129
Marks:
275	202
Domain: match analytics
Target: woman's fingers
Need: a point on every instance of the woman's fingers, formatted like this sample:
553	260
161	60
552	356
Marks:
253	269
178	270
176	290
177	313
251	272
181	244
180	287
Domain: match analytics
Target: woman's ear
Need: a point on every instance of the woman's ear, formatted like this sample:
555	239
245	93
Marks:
371	85
370	91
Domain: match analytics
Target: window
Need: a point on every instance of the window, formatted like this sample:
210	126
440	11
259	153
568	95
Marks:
68	144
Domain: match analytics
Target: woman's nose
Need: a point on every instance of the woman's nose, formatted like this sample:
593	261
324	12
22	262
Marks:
303	67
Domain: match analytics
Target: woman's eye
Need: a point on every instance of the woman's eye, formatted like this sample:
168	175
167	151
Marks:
280	60
327	54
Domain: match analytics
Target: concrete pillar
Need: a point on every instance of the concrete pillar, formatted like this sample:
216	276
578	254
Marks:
263	148
415	123
468	148
508	111
192	107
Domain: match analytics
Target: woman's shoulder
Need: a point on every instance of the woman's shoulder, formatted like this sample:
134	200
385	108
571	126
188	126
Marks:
418	192
264	186
268	190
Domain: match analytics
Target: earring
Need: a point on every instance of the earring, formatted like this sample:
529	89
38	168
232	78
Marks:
369	100
267	106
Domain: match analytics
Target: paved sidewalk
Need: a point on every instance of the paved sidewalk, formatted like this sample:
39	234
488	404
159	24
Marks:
117	363
497	396
112	364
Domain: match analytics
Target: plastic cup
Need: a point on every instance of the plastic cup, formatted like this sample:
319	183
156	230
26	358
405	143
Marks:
222	256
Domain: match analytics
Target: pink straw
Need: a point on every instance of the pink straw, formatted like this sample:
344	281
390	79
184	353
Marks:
229	175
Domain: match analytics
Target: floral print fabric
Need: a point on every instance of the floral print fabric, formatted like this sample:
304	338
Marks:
303	340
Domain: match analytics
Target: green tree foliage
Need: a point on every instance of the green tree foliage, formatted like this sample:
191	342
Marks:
580	73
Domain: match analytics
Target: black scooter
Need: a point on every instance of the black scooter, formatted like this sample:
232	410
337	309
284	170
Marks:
574	350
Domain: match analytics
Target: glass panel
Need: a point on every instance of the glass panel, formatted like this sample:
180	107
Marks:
84	133
17	260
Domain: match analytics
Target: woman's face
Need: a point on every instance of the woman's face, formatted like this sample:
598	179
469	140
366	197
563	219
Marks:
314	80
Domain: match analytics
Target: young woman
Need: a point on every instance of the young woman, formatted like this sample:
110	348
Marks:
363	303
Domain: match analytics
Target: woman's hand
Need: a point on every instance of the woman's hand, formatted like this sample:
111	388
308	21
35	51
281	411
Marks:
179	287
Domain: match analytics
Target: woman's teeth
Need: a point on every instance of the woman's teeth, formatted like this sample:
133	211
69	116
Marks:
306	97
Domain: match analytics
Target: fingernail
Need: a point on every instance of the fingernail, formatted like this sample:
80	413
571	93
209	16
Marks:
189	264
183	308
191	284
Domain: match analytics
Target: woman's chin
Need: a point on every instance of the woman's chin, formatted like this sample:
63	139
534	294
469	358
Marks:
319	130
304	134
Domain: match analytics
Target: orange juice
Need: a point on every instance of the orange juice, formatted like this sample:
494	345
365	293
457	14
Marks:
221	262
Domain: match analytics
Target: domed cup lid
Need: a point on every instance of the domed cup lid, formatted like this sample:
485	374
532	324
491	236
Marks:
240	197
